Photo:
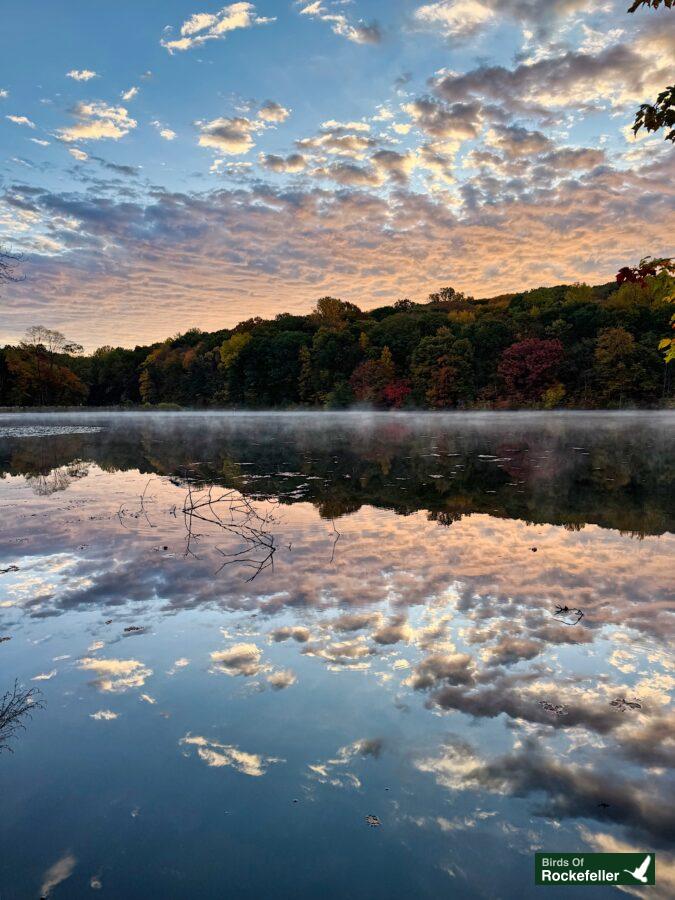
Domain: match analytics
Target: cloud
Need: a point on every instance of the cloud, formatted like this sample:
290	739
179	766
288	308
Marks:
4	94
448	668
219	755
356	32
240	659
104	715
349	174
459	20
21	120
202	27
333	771
116	675
45	676
81	74
514	141
79	155
291	164
273	112
130	94
230	136
167	133
297	633
39	142
393	632
281	679
60	871
341	653
570	790
449	126
359	244
455	18
618	75
97	121
339	139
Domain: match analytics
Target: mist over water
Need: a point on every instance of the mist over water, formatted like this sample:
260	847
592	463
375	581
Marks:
251	631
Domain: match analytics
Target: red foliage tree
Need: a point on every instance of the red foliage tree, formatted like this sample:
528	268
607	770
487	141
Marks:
648	268
396	393
529	367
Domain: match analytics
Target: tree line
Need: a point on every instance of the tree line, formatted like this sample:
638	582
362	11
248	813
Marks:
569	346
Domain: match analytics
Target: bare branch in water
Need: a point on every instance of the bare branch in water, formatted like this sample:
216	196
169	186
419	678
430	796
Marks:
15	709
220	509
233	513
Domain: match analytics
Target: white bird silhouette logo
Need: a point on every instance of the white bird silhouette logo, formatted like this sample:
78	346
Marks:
639	873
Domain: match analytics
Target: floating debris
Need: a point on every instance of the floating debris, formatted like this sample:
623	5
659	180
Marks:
130	628
573	611
373	821
9	569
5	637
558	709
108	622
623	704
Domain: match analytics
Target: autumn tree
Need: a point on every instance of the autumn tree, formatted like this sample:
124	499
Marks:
40	371
371	378
616	365
661	113
528	368
333	313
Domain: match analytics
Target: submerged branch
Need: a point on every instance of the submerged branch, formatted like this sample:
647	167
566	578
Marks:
15	709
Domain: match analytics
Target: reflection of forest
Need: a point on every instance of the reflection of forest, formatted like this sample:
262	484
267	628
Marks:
619	476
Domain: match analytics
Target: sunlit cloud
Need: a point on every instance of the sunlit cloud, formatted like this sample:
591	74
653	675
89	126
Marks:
282	679
217	755
291	164
358	32
97	121
21	120
202	27
240	659
167	133
455	18
130	94
116	675
81	75
271	111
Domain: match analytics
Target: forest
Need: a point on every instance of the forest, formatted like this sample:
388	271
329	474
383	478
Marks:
568	346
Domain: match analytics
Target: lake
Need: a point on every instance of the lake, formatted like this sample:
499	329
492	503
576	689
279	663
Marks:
335	655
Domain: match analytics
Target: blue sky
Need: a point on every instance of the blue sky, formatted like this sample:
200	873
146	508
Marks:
213	162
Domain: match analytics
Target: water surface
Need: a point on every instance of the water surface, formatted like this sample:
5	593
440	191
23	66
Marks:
252	632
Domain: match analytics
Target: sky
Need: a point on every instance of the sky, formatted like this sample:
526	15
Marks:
187	164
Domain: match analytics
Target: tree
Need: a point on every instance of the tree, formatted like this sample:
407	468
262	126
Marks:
370	380
646	270
40	370
616	364
661	114
8	265
447	296
528	368
668	345
334	313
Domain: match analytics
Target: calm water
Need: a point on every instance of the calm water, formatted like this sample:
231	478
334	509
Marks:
338	617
